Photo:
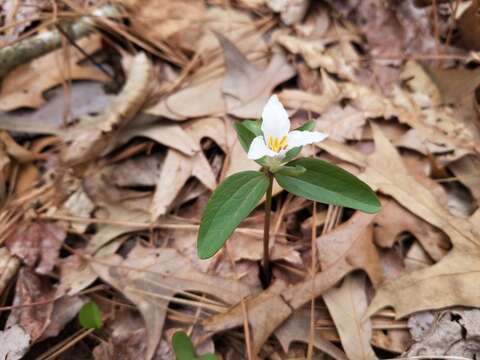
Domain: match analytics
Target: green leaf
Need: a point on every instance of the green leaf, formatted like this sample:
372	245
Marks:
230	203
245	134
208	357
255	126
290	170
184	350
308	126
292	153
329	184
182	346
90	316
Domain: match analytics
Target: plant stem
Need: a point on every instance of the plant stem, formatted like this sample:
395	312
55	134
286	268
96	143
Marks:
266	268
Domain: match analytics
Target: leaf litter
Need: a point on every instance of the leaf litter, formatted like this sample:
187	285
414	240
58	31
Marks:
102	192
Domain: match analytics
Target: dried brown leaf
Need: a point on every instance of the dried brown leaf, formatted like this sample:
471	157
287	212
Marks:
247	87
347	305
24	86
149	277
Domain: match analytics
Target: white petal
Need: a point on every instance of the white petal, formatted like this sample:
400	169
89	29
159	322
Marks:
300	138
275	119
259	149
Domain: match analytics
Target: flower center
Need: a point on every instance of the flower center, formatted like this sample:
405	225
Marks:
276	144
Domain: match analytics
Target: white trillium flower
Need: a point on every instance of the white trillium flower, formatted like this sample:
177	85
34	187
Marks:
277	139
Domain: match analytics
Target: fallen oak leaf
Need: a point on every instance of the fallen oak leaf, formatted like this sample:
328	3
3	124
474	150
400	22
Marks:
297	328
394	220
448	282
150	277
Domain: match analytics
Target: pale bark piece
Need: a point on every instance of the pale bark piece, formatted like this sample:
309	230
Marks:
148	277
347	305
9	266
246	86
14	343
291	11
297	329
87	140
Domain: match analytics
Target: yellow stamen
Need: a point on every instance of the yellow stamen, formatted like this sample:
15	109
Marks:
276	144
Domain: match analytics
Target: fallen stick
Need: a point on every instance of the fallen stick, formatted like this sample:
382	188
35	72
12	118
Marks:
24	51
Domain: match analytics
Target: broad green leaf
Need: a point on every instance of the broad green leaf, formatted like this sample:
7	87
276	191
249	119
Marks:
255	126
182	346
292	153
245	134
230	203
290	170
208	357
308	126
329	184
184	350
90	316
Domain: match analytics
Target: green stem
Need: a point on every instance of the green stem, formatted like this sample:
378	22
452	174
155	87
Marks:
266	268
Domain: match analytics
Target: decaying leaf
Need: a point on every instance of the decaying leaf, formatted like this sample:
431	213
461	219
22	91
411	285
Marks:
37	244
32	289
453	332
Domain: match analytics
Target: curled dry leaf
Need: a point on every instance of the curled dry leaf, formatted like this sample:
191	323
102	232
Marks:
151	277
38	244
90	138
